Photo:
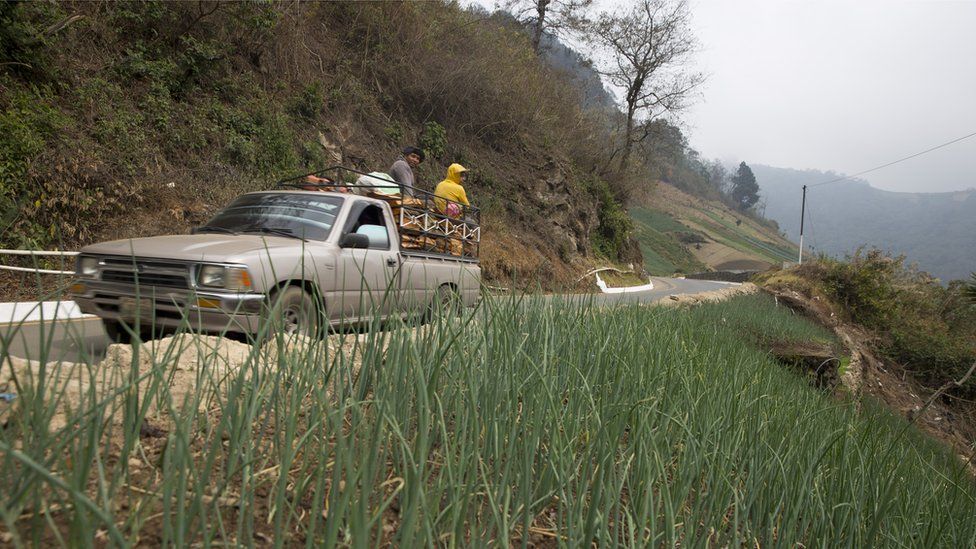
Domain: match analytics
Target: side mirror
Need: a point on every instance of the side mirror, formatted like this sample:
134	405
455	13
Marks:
354	240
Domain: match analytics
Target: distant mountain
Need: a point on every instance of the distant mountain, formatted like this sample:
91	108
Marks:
935	230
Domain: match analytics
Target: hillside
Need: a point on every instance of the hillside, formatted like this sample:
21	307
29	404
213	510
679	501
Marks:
934	230
133	119
682	233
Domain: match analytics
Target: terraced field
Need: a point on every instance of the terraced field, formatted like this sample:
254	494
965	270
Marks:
682	233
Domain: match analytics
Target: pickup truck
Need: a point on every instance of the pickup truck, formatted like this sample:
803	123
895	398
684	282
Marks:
311	259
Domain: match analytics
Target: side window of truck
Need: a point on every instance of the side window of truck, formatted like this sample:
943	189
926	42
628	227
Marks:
371	222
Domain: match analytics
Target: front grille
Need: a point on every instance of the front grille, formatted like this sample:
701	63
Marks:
145	272
146	279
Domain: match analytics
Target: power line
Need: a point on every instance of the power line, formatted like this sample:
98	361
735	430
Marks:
812	231
835	180
946	144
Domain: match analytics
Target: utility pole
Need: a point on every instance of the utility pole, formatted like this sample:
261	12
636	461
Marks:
803	211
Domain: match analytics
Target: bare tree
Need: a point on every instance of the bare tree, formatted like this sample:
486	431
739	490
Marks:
548	16
648	49
718	176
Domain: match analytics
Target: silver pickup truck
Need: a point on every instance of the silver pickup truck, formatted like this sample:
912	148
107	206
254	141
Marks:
310	259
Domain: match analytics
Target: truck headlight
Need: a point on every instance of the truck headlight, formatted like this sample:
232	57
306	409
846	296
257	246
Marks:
226	278
87	266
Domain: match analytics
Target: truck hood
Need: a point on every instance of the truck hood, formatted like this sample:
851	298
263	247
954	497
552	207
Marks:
194	247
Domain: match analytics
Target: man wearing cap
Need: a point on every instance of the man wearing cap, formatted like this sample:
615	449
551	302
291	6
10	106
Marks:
402	170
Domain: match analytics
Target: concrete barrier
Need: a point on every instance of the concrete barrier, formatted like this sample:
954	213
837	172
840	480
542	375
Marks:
625	290
30	311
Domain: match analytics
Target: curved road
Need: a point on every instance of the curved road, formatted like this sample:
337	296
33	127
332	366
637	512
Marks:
76	339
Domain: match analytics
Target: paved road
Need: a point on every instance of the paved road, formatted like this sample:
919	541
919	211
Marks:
54	340
75	339
663	287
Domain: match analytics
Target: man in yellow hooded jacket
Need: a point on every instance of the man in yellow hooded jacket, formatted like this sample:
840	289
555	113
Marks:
452	188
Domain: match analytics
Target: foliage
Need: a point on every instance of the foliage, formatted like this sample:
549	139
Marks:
548	17
669	158
30	123
615	227
745	190
171	108
628	426
433	140
310	103
25	31
970	290
917	318
649	46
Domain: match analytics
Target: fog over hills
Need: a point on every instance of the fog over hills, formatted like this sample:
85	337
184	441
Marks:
936	230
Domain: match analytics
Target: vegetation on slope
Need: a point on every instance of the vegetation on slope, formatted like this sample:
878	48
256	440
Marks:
521	423
681	232
914	340
130	119
133	119
663	243
925	327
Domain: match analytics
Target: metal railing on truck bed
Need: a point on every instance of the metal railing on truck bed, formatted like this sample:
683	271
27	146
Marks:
423	227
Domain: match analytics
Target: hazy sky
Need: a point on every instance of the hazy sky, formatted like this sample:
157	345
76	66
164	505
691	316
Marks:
840	85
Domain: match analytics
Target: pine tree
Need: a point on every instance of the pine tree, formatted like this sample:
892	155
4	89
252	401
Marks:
745	190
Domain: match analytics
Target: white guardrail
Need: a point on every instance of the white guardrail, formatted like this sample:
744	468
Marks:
34	253
622	290
34	311
608	290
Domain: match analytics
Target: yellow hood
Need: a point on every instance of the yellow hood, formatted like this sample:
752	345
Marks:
454	172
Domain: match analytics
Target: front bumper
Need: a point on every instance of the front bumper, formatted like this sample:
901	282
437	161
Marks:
170	307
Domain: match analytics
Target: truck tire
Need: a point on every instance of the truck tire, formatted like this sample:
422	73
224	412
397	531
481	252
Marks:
116	332
446	302
296	312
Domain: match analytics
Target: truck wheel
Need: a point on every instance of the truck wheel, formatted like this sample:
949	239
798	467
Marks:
116	332
447	302
297	312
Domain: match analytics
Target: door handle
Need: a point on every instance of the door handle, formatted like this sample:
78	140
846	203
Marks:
391	262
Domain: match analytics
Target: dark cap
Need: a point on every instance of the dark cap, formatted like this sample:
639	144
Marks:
413	150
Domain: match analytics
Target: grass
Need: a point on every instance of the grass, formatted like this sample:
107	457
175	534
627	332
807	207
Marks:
518	422
663	253
725	232
657	220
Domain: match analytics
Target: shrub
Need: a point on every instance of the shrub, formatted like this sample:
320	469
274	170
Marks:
23	41
29	123
394	132
433	139
612	234
915	317
690	237
309	104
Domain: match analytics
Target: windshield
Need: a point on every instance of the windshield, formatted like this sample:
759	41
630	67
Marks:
300	215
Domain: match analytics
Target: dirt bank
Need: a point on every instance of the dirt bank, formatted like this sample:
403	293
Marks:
889	383
712	296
